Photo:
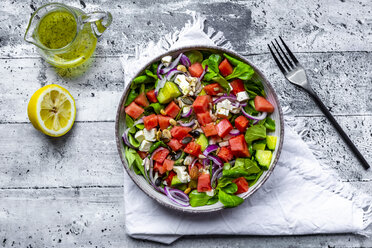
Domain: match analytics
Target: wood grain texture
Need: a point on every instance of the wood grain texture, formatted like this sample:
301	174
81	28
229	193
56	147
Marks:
68	192
335	76
94	217
312	25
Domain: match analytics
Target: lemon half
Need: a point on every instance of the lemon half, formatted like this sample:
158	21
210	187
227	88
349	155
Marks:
52	110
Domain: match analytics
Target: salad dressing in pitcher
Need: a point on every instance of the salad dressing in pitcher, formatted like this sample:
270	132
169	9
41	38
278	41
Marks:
57	29
66	36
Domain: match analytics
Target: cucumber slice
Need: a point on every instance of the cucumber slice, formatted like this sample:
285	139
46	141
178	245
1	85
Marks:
271	142
202	141
259	145
264	158
168	93
176	181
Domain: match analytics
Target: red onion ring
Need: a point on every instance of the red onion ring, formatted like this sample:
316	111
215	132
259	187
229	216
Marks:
172	65
185	60
158	71
187	114
243	104
230	97
216	160
234	132
193	163
209	149
172	72
202	75
256	118
177	196
216	175
126	140
205	162
144	167
187	124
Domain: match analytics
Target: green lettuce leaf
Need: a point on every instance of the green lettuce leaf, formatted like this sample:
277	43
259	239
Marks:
254	133
199	198
229	200
131	96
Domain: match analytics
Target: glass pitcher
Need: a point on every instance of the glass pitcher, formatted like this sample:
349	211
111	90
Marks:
66	36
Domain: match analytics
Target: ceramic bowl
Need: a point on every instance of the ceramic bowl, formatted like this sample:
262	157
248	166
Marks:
161	198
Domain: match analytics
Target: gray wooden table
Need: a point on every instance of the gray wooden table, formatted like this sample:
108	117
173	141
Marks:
68	192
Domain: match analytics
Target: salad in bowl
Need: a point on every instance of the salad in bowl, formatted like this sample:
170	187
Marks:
198	129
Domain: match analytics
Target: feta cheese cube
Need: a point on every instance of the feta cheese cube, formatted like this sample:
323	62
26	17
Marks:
192	81
235	110
150	135
221	112
185	88
182	175
226	104
145	146
242	96
183	84
166	60
140	136
180	78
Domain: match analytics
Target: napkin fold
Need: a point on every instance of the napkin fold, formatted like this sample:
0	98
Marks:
300	197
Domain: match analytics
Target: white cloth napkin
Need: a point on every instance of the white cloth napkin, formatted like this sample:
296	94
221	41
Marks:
298	198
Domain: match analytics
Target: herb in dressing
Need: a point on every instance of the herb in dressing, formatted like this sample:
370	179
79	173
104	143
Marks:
57	29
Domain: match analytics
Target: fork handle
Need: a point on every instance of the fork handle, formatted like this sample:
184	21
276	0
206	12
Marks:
339	129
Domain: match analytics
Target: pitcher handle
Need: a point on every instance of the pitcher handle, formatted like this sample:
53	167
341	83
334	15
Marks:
99	21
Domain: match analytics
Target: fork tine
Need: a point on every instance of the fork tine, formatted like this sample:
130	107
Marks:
289	51
281	58
285	55
277	61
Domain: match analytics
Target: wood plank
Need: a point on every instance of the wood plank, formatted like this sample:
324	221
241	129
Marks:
97	92
87	156
94	217
336	77
311	25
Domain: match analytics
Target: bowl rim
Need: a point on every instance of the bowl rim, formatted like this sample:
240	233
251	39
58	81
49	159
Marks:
185	49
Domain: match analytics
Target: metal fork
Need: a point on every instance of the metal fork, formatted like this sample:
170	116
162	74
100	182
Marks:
295	73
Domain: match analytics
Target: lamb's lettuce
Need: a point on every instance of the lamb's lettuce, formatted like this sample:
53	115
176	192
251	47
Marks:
213	72
243	167
131	96
200	199
134	161
151	74
143	79
241	70
270	124
254	133
194	56
229	200
230	188
254	87
153	107
134	142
